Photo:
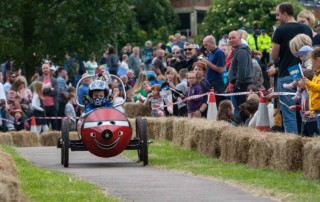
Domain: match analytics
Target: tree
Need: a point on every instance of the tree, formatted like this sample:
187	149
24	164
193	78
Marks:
33	29
224	16
152	19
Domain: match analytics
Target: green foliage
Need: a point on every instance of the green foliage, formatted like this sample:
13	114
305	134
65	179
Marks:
224	16
153	20
32	29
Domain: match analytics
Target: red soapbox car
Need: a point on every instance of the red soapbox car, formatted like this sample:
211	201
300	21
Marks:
105	131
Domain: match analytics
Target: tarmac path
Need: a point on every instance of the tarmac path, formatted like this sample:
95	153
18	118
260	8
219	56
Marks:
131	181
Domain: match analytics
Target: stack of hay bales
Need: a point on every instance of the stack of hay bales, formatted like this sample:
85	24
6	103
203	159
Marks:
153	128
311	159
287	151
9	183
210	135
6	138
25	139
133	109
51	138
235	145
180	130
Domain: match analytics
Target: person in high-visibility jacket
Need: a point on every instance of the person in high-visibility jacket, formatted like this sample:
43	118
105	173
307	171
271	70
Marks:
264	45
251	41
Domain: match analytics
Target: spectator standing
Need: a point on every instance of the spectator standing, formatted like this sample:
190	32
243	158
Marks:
63	93
135	61
3	102
215	66
288	29
157	63
181	89
91	65
50	94
193	105
38	107
113	61
11	76
264	45
147	55
83	90
191	56
177	61
70	112
200	68
314	86
223	40
241	70
170	44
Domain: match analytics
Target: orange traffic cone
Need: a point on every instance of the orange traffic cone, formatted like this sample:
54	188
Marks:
263	123
33	125
212	106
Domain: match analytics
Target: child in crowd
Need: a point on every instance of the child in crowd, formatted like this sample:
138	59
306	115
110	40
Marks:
117	98
226	113
309	122
251	105
38	107
98	95
152	78
70	112
314	86
181	89
167	90
304	55
155	100
19	123
194	89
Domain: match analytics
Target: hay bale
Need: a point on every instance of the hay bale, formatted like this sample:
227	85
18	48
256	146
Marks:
9	189
50	138
287	151
153	128
166	127
133	109
209	138
261	151
311	159
7	164
25	139
235	144
179	130
73	135
6	139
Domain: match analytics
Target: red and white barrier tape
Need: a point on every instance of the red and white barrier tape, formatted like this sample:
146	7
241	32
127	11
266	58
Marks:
7	120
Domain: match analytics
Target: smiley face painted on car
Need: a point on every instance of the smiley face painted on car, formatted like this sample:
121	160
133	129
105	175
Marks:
106	132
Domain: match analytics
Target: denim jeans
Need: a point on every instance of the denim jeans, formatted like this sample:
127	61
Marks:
289	118
318	119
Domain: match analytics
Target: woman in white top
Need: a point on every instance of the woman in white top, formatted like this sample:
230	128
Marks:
91	65
37	106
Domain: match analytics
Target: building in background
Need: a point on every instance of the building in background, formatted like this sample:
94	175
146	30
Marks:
191	13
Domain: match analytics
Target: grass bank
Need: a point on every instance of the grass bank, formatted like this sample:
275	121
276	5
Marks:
289	186
41	184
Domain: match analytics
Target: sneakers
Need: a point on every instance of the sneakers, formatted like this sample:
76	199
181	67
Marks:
291	85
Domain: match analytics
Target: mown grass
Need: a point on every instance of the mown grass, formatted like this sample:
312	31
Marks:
293	185
45	185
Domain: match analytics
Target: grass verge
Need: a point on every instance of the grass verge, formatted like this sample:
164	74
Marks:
41	184
291	186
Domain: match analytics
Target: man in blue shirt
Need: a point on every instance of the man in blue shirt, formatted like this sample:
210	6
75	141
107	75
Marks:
215	66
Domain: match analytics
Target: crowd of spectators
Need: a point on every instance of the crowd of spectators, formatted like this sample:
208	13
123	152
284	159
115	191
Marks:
169	76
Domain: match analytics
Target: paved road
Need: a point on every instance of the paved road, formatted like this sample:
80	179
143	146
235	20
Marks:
132	182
